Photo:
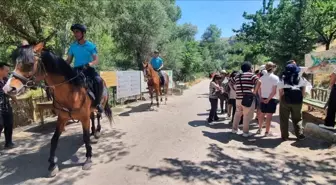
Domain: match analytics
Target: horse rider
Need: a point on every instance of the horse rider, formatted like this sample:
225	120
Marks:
157	64
86	56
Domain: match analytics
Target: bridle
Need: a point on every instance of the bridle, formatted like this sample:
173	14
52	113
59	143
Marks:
148	72
30	82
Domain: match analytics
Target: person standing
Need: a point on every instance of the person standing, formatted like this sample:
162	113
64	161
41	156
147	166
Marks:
6	111
268	101
292	89
214	91
247	85
329	121
223	99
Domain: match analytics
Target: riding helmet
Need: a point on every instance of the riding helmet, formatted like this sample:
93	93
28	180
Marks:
80	27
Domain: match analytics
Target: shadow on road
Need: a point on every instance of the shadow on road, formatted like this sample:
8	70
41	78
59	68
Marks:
136	109
28	161
224	169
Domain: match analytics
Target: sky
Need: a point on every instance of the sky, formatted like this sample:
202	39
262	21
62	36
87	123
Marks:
226	14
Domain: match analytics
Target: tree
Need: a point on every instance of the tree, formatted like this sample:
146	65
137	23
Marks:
321	18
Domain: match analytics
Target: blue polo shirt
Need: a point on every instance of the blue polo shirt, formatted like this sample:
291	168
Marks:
82	52
156	63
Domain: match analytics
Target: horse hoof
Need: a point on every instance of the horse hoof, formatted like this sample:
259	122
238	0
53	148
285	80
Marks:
53	172
97	135
87	165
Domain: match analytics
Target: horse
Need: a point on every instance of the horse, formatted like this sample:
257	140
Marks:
153	81
71	101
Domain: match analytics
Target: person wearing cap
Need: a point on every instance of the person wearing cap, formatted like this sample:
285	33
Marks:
329	121
157	64
247	85
268	100
86	57
214	91
224	97
292	89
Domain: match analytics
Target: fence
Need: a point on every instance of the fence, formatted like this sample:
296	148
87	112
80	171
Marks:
25	111
129	84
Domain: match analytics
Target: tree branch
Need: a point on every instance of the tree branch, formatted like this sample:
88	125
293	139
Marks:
13	24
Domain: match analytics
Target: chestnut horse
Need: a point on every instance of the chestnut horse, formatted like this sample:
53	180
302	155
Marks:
70	97
153	81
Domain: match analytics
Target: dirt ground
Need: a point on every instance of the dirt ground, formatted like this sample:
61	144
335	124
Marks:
171	145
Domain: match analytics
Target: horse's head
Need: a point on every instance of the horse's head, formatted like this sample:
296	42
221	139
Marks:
147	70
26	59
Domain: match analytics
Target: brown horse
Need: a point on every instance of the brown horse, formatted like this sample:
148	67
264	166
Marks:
153	81
70	97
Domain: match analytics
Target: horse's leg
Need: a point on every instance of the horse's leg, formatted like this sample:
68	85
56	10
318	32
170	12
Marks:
157	91
93	126
151	95
166	92
161	93
97	134
86	137
53	168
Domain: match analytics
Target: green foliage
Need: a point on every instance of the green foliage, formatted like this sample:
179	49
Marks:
126	32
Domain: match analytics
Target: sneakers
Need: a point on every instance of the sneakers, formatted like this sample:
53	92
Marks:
326	127
100	108
270	134
234	131
301	137
247	134
9	145
259	131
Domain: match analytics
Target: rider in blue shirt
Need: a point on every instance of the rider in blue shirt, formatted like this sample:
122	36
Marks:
157	64
85	54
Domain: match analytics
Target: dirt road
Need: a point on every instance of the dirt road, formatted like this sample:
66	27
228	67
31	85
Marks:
169	146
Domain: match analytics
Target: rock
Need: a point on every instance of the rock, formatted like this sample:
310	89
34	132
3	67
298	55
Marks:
320	133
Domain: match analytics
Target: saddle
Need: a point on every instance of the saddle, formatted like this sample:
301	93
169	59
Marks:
88	84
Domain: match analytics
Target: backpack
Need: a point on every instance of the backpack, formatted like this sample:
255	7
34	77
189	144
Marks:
293	95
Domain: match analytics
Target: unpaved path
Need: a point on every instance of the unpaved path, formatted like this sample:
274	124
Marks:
170	146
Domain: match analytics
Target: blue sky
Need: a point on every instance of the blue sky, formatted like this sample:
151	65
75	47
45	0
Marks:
226	14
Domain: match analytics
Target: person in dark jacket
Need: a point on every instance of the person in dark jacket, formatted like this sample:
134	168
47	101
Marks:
6	111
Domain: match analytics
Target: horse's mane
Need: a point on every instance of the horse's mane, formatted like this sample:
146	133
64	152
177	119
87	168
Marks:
57	65
53	64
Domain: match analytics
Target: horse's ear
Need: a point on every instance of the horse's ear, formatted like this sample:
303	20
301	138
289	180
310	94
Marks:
38	47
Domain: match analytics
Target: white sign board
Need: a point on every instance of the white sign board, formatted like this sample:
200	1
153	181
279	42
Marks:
144	84
129	84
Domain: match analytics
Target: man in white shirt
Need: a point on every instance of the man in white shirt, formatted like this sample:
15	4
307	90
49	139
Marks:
268	100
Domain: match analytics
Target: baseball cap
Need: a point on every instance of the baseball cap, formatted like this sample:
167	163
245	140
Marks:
292	68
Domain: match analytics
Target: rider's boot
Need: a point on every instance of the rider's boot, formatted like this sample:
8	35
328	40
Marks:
99	88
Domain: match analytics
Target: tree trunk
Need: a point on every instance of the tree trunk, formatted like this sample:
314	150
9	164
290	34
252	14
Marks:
139	60
328	45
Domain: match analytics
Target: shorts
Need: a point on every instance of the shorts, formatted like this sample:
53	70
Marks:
231	101
270	107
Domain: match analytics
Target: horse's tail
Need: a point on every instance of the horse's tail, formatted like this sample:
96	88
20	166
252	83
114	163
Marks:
108	111
107	107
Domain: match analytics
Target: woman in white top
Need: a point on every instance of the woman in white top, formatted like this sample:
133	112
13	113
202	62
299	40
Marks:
268	100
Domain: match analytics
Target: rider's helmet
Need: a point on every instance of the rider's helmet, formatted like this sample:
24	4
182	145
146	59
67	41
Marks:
80	27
